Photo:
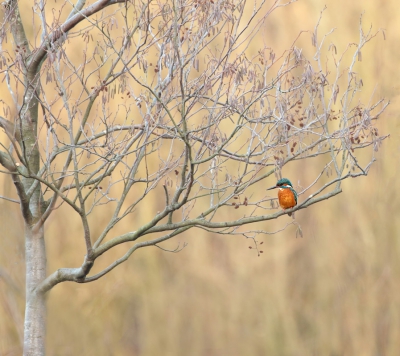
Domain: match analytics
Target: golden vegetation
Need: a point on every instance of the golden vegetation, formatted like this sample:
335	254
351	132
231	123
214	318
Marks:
333	292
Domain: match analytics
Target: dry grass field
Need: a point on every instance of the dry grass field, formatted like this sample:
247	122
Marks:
335	291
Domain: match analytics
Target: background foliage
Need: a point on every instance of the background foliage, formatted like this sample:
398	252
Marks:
335	291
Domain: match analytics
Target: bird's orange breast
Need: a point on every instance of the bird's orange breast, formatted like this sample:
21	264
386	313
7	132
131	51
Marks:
286	198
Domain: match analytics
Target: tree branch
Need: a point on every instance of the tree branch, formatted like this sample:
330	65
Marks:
71	22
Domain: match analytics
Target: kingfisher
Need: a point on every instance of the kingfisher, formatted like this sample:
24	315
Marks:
287	196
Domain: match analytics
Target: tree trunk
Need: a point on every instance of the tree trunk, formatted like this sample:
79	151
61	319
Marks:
35	310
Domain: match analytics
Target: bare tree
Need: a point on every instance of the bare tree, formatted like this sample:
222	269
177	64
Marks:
166	98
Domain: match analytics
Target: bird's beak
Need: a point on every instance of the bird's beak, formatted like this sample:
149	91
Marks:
273	187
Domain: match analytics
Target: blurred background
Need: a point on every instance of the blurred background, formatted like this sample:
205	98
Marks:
336	291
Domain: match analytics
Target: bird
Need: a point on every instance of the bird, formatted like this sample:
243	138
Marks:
287	196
